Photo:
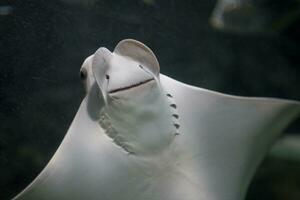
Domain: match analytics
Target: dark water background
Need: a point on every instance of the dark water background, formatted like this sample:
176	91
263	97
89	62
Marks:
43	44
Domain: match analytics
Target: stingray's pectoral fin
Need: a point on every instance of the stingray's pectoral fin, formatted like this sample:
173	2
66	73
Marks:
59	177
85	166
226	137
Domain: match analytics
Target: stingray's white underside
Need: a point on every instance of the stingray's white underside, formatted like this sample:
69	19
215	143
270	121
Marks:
222	140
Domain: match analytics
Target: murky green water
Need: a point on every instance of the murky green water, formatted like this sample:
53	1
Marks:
43	44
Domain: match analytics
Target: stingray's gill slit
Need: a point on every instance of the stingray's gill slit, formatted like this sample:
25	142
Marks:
175	115
177	126
112	133
169	95
173	105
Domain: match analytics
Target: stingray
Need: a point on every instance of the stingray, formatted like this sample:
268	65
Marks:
141	135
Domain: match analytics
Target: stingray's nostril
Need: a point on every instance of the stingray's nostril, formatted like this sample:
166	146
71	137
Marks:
169	95
107	76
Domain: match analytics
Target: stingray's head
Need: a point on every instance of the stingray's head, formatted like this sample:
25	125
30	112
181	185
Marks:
129	70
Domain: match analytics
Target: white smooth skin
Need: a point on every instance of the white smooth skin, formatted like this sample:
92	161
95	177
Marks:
140	144
136	107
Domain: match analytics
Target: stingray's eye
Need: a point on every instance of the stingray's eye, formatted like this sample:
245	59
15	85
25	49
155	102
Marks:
107	76
83	74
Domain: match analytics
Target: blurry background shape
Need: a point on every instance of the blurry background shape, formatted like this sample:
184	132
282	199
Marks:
288	148
86	3
5	10
149	2
254	15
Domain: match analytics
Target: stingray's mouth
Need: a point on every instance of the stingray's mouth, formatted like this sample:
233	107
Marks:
130	86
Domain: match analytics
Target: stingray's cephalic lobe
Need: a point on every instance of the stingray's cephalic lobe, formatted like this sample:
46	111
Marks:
140	135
